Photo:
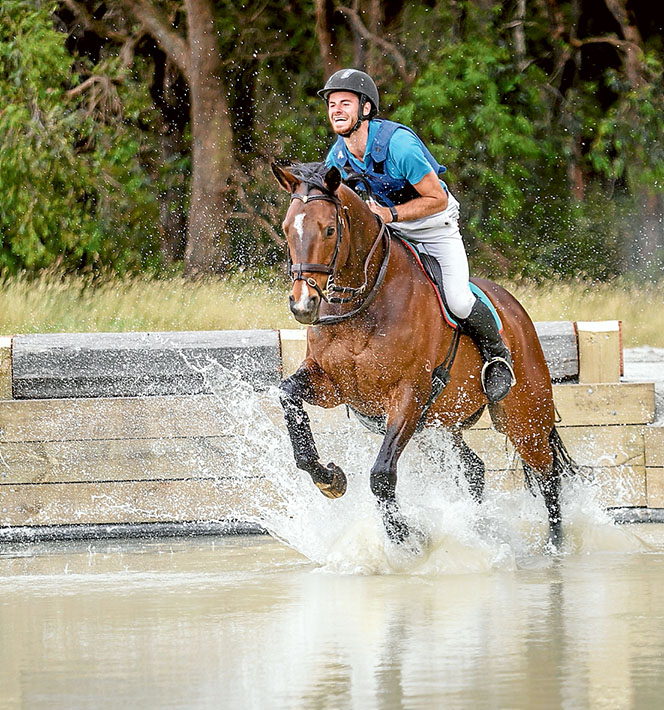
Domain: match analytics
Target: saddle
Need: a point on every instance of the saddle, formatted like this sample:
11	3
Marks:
432	270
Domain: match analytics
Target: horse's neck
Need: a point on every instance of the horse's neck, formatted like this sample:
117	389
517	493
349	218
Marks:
364	229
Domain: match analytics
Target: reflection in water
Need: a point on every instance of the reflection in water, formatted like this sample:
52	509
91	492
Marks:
249	623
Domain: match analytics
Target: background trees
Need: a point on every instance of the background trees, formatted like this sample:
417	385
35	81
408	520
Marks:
135	134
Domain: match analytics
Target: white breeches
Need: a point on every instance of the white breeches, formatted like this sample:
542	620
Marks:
439	236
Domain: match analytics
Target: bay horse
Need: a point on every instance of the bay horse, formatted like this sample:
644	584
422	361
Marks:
376	337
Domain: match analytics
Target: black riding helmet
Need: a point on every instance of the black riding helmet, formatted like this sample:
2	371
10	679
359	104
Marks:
358	82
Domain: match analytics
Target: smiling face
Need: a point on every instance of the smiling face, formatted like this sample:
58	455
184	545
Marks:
343	110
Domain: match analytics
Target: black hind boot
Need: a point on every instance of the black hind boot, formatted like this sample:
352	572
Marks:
497	373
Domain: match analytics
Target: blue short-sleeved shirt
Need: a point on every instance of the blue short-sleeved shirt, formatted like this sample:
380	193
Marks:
404	160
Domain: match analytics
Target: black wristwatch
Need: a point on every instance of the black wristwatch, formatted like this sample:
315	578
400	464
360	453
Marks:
393	212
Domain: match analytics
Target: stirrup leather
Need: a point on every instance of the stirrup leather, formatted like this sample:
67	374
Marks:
491	362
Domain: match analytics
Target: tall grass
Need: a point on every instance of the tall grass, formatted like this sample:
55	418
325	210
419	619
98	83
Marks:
640	307
69	304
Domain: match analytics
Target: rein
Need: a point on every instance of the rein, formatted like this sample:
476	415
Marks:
297	271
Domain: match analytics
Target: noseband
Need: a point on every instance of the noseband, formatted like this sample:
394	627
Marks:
297	271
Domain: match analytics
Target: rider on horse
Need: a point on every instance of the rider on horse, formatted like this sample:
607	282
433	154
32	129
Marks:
403	175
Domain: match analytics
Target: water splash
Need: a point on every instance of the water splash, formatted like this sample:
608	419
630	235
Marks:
347	536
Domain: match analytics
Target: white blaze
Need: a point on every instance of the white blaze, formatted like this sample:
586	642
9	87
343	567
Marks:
304	295
298	224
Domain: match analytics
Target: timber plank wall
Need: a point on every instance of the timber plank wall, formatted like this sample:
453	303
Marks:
152	443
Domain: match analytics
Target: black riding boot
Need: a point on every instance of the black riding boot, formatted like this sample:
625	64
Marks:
497	373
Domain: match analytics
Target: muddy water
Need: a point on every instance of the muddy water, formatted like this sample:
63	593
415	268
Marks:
250	623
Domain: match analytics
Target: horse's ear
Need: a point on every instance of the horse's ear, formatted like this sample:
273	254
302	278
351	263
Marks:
332	179
287	180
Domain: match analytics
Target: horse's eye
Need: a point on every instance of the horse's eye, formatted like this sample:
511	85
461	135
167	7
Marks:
329	232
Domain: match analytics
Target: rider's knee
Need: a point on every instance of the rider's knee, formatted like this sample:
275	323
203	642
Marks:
460	303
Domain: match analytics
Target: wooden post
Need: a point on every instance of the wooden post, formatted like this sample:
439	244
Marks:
5	368
600	351
654	445
293	349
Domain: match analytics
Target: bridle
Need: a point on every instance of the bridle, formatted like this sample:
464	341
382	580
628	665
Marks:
297	270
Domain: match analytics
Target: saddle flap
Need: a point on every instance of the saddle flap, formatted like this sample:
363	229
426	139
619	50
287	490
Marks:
432	269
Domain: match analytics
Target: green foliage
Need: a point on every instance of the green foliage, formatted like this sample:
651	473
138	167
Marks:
72	189
508	148
550	173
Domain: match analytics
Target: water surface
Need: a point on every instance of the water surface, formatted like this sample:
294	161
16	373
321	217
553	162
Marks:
250	623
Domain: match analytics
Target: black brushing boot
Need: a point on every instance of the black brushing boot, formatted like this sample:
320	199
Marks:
497	373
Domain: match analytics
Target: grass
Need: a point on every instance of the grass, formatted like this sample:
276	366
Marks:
639	307
52	303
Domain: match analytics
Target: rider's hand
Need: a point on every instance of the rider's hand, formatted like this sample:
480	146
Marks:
383	212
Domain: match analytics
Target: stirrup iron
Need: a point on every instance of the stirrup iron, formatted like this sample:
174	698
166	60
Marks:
493	361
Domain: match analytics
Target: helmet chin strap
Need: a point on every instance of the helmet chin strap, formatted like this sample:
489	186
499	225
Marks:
361	117
347	134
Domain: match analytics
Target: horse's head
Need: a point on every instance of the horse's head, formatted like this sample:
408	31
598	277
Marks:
314	226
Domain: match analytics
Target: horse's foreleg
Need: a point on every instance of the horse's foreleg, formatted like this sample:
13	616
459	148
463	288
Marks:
401	424
309	384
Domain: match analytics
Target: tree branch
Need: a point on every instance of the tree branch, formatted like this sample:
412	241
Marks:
360	28
520	35
614	41
99	27
155	24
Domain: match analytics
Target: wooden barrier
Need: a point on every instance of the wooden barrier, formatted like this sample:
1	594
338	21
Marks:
559	343
163	458
600	351
111	460
654	461
60	365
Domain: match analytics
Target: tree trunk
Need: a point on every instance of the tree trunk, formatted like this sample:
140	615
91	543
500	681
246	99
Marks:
212	140
170	93
326	34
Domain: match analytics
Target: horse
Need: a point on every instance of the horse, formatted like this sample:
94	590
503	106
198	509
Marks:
377	338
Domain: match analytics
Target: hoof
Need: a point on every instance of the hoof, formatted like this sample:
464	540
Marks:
337	486
395	525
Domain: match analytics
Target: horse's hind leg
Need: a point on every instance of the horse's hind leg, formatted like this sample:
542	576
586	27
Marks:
473	467
550	487
310	384
532	439
542	465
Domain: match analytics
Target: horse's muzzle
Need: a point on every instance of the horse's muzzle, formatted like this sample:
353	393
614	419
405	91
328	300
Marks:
305	304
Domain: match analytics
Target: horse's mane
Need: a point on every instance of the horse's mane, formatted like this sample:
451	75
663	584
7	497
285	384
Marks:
312	174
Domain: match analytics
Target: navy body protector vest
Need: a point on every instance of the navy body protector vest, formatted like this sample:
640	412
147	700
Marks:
388	190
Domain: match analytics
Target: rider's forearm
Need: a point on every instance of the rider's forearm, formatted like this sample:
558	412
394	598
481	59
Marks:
413	209
421	207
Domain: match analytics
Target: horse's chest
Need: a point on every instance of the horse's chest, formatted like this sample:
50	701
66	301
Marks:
358	373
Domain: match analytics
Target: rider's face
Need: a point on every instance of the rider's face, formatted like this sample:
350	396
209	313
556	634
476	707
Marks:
342	110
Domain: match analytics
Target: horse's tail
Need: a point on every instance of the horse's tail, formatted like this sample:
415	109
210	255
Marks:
563	463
